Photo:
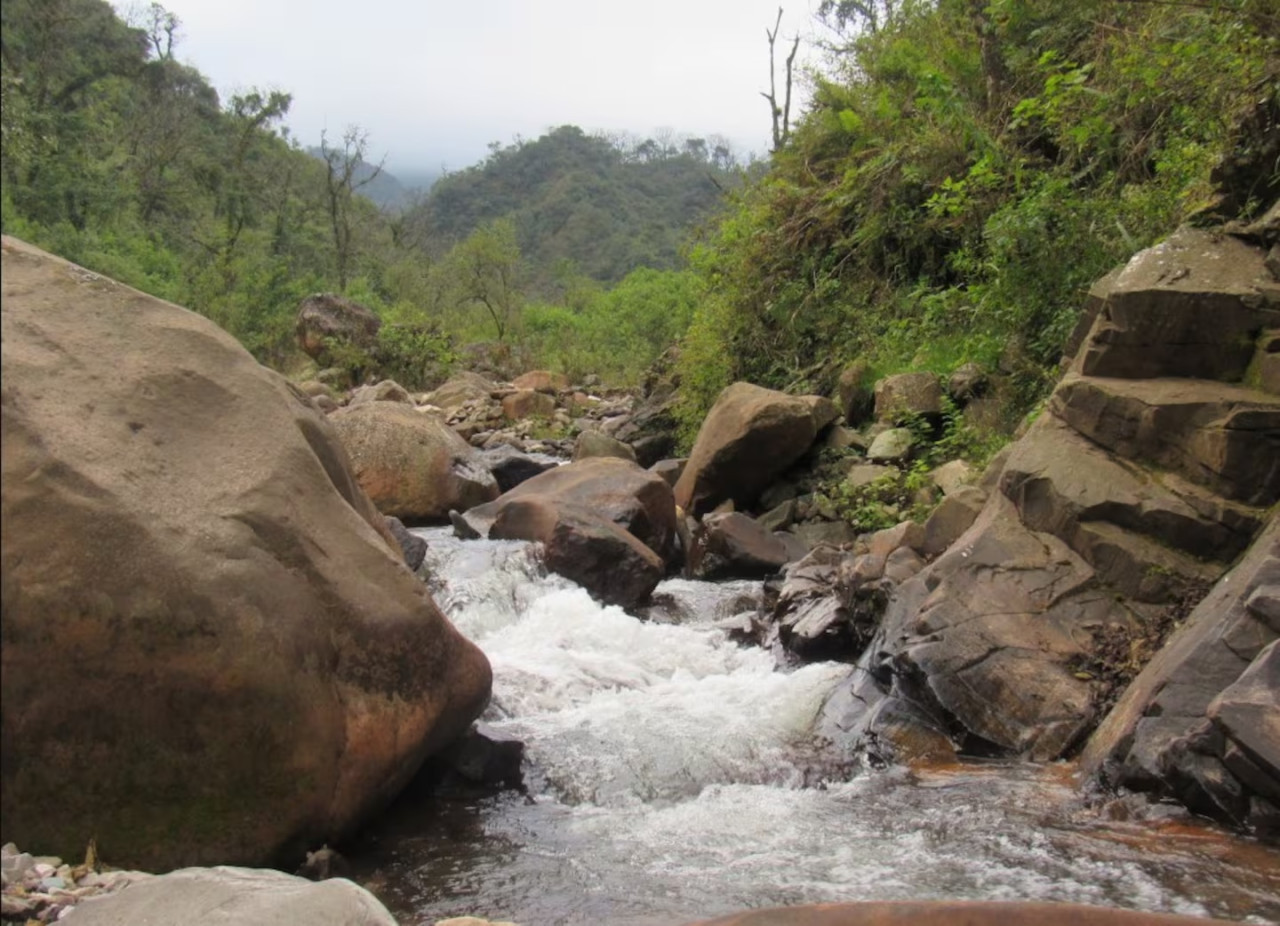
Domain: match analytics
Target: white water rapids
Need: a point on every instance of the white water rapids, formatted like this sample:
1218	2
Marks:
667	773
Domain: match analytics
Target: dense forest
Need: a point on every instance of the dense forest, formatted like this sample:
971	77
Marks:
964	170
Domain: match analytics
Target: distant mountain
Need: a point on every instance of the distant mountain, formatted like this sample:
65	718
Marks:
608	207
386	189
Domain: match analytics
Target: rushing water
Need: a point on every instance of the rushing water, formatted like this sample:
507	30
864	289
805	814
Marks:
668	771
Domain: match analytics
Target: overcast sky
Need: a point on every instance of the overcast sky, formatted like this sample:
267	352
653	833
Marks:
434	82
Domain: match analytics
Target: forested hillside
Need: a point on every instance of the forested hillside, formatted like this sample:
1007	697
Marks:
118	156
967	169
608	206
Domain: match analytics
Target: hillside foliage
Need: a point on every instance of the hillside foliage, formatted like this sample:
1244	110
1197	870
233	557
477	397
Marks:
966	169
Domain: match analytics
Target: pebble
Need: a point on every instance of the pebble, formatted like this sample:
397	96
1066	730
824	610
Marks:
45	889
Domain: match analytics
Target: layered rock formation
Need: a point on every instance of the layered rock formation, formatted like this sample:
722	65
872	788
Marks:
212	650
1149	473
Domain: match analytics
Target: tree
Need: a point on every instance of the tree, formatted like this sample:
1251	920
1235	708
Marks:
781	115
487	268
347	173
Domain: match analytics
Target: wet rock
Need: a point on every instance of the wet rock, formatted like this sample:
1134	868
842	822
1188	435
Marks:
750	436
510	467
736	546
1159	737
412	546
232	554
484	756
411	464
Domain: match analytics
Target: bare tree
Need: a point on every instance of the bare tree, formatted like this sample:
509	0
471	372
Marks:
781	115
345	177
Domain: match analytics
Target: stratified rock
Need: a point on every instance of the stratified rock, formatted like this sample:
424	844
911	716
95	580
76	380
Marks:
1160	735
209	640
1189	306
223	895
908	395
750	436
326	320
411	464
595	444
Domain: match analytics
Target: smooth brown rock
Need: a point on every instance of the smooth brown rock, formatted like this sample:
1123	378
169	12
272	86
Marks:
596	444
210	642
412	464
579	544
735	545
748	438
386	391
459	390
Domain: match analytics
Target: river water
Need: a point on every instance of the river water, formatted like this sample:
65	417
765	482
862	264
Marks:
672	776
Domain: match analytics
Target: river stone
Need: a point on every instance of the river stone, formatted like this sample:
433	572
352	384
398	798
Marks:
1190	306
226	895
737	546
327	319
580	544
210	642
750	436
461	389
412	464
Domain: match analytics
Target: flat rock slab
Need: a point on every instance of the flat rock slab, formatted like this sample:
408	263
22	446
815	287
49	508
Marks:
224	895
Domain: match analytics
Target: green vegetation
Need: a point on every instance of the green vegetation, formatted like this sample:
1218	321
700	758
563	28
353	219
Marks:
966	169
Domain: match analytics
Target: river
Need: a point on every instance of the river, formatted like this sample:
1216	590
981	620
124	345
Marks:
672	776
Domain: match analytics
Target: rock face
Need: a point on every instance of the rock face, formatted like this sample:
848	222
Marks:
750	436
1201	723
209	639
217	896
325	319
1127	497
605	522
411	464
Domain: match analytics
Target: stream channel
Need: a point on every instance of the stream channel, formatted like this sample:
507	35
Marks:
670	777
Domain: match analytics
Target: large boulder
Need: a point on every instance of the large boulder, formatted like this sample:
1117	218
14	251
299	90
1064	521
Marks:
411	464
461	389
1190	306
750	436
907	396
599	498
212	651
326	320
1199	722
224	895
